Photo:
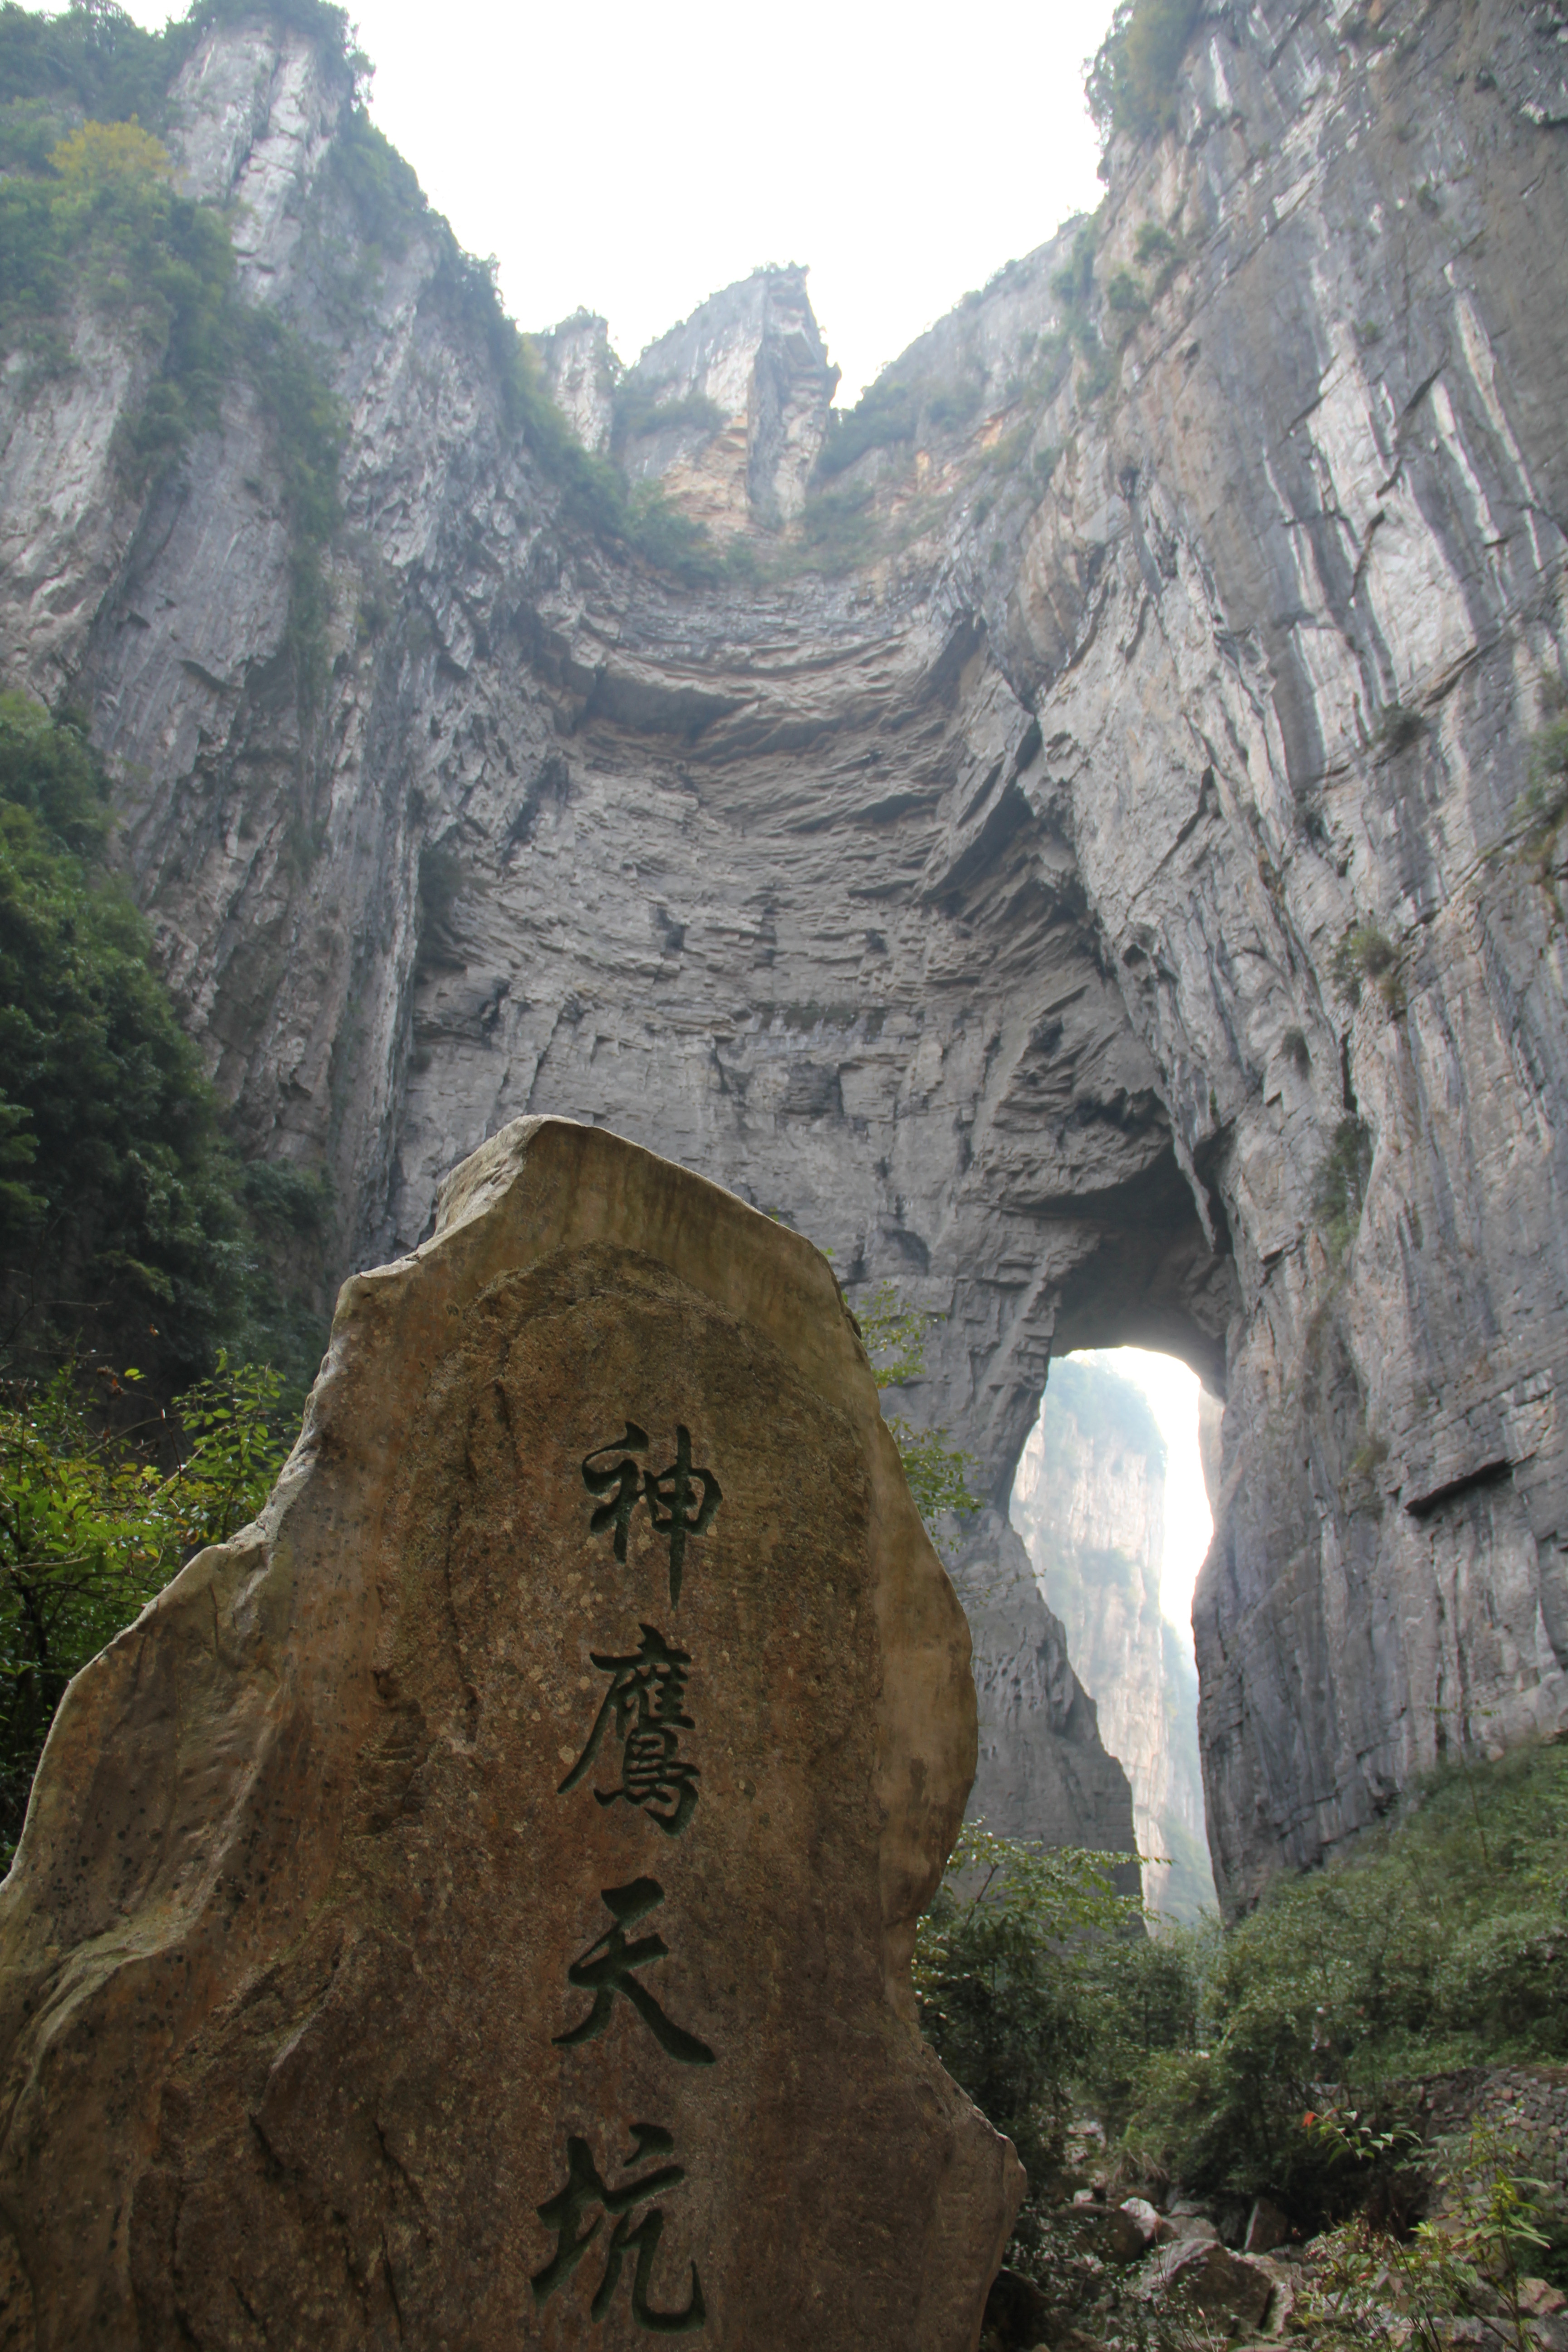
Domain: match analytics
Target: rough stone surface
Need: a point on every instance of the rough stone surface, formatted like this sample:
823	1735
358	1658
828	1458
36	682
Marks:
1210	2279
977	908
324	1970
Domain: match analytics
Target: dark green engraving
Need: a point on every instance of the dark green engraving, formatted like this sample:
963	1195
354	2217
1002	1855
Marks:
645	2238
568	2207
625	1481
607	1967
643	1702
669	1492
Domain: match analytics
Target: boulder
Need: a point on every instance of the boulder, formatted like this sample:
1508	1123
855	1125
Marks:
1209	2279
474	1905
1015	2312
1152	2225
1267	2227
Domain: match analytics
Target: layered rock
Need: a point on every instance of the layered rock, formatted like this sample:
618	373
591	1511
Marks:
1089	1502
980	903
320	2016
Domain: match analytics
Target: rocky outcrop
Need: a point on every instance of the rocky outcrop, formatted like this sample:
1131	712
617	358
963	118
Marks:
1088	1501
971	878
302	1881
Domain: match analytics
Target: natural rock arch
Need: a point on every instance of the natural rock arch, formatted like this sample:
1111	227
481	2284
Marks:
982	906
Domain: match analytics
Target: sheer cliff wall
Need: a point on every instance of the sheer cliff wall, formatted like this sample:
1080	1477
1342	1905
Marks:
976	906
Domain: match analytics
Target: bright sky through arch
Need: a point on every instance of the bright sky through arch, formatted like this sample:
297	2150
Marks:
1173	1395
636	159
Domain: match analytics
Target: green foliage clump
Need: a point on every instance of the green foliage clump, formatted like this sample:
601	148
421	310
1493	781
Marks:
1543	803
1367	953
1442	1942
1007	1973
887	413
103	217
1125	298
1376	2285
640	409
125	1222
894	1332
1340	1187
93	1523
1130	81
116	1185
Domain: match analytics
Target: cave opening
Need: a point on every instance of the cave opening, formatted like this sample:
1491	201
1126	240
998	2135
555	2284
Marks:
1113	1503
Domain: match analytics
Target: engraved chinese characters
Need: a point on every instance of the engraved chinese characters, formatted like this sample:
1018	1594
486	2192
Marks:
444	1920
644	1709
669	1496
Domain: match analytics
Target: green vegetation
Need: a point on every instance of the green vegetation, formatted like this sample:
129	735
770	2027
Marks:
639	410
1131	82
1005	1971
1543	804
894	1336
1340	1187
127	1227
95	1521
128	1232
1367	953
1442	1942
1379	2285
117	1192
102	218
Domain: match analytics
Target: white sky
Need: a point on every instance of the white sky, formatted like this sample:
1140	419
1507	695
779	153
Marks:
636	159
1173	1394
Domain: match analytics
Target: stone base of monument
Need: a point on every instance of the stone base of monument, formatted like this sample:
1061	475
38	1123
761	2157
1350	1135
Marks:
473	1907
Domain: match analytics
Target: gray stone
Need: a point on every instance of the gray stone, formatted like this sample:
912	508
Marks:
1209	2279
1267	2228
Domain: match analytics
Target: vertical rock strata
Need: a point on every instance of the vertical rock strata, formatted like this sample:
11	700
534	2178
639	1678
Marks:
406	1945
983	905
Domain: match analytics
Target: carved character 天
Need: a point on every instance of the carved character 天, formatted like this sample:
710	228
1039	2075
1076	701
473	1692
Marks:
608	1966
567	2211
645	1705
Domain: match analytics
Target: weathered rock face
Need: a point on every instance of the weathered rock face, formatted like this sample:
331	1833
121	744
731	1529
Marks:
755	355
1089	1503
502	1753
979	909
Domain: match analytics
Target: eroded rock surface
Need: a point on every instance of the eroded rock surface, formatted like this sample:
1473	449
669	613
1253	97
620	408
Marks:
479	1899
979	907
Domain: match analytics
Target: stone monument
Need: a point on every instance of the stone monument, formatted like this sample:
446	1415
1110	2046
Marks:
473	1909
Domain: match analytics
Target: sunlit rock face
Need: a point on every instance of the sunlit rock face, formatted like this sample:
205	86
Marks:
978	905
1088	1501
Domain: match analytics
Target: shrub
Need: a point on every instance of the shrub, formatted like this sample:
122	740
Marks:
639	411
1441	1942
1366	953
886	414
1338	1190
118	1191
895	1331
93	1525
1543	803
1125	295
1005	1978
1130	81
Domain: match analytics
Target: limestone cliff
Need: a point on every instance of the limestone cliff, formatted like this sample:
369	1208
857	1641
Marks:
970	872
1089	1502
